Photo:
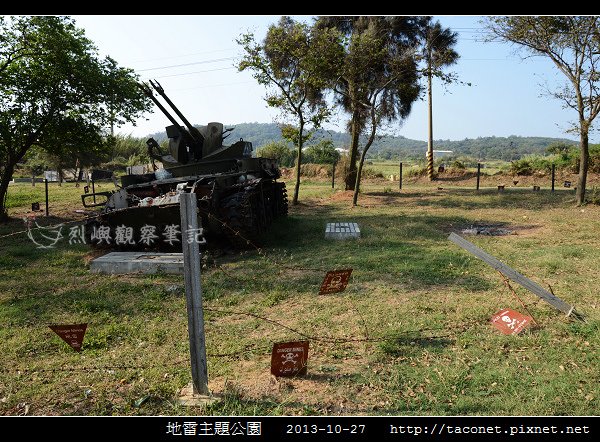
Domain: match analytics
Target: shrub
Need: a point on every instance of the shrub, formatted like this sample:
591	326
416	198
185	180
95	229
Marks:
315	171
277	150
456	164
530	164
594	195
342	166
321	153
370	173
416	171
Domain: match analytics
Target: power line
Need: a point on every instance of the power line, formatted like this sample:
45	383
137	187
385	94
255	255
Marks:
183	55
214	85
484	59
196	72
186	64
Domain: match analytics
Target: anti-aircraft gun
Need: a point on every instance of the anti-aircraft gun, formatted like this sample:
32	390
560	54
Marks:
238	195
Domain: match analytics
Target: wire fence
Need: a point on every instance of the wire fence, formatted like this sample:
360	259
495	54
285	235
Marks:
416	334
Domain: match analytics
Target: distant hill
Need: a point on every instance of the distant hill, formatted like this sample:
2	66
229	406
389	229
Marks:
394	147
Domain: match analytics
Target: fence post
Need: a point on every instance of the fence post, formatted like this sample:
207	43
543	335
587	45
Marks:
46	184
400	177
553	171
94	190
478	174
193	292
333	174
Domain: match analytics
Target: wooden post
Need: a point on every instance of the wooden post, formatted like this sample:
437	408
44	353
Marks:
400	179
478	174
507	271
193	292
94	190
553	171
333	175
46	183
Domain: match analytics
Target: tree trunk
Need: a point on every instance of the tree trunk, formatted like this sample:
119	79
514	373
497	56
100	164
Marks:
351	175
430	172
78	171
5	178
363	155
358	175
583	164
298	162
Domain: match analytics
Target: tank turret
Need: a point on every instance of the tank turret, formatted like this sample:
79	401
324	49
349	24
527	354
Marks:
238	195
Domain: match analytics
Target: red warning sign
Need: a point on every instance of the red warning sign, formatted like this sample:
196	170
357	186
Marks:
335	281
289	358
510	322
71	334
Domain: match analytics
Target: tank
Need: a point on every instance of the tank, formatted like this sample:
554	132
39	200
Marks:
238	195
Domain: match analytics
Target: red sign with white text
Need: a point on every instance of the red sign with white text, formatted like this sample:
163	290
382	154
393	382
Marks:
71	334
335	281
289	358
510	322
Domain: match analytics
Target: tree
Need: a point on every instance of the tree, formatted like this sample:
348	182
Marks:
55	92
559	148
390	93
292	62
572	43
395	34
277	150
378	79
437	53
322	153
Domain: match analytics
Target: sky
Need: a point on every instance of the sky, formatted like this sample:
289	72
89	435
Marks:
193	58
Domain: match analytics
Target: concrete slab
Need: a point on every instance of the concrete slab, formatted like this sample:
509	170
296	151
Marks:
187	398
339	230
138	262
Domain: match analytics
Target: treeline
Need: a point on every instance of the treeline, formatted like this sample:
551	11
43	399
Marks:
394	147
116	154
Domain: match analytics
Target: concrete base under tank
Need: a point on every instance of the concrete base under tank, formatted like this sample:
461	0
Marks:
138	262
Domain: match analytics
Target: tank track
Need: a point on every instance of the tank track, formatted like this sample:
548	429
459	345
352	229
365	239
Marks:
251	211
281	199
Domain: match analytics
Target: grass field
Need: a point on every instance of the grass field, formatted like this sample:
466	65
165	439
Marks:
411	335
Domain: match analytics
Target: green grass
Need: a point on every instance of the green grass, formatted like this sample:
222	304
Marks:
415	314
21	195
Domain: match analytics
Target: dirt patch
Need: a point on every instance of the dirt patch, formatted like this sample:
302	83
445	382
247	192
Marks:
316	389
344	195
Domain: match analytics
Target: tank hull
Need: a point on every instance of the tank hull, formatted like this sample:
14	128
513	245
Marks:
237	201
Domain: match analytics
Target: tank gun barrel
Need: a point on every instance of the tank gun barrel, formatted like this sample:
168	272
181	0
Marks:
148	92
197	136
